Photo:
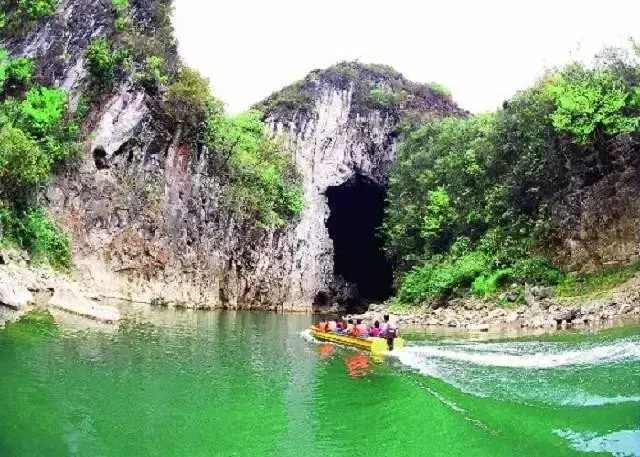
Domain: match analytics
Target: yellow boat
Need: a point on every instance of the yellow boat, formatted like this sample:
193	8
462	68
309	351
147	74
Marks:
377	346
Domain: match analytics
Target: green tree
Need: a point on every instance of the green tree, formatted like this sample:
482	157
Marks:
587	100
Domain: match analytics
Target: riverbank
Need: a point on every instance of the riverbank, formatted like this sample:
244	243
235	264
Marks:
23	288
541	310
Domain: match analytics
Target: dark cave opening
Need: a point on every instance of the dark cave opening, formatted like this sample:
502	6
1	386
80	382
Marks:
356	212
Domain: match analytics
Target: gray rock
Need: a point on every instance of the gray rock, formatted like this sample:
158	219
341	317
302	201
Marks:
15	296
72	301
478	327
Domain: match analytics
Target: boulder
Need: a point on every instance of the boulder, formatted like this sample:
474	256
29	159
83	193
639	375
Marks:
538	295
14	296
567	315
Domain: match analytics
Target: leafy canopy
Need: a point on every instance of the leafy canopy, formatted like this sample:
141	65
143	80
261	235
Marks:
588	100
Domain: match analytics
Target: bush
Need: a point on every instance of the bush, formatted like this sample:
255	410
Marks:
100	61
438	278
45	242
187	102
587	100
35	9
4	62
439	89
381	99
489	284
22	163
19	72
262	180
42	109
153	75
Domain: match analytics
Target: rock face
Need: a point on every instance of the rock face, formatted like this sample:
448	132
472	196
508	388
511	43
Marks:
146	217
597	219
144	212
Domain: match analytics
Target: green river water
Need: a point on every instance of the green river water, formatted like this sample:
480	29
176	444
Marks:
173	383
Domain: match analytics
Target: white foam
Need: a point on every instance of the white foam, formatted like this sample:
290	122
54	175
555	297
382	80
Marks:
622	443
517	357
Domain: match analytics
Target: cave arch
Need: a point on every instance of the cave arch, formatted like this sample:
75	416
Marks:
356	213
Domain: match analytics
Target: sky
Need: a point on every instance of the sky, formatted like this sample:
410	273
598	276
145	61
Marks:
482	50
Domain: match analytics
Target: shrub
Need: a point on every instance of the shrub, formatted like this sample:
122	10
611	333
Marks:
187	101
19	72
100	61
4	62
44	241
590	99
153	75
35	9
42	109
22	163
488	284
263	183
438	278
439	89
381	99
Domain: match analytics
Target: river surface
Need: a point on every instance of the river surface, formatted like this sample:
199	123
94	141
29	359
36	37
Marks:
190	384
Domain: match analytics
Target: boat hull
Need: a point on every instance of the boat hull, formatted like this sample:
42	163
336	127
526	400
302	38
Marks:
376	346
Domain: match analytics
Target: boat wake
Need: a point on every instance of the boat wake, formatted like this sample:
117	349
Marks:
528	355
552	373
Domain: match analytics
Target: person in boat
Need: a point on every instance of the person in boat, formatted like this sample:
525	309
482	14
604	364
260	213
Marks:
332	326
349	328
322	326
362	328
339	326
389	331
375	331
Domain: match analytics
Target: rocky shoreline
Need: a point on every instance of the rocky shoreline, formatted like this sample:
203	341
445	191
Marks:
540	311
23	288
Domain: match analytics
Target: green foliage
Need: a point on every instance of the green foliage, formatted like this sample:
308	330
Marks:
43	108
187	102
4	62
488	284
262	181
32	230
482	186
100	61
439	89
590	283
440	277
19	72
35	9
153	75
587	100
436	190
292	98
121	9
22	162
381	99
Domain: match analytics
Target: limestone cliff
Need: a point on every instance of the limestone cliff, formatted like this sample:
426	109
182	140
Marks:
143	210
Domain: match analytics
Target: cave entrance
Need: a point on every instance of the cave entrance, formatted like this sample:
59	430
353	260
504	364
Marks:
356	212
